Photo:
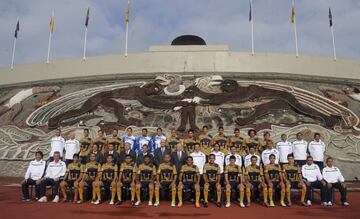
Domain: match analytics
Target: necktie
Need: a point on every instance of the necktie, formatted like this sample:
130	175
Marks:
162	150
179	155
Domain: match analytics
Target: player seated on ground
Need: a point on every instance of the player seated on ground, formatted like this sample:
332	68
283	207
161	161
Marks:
334	180
126	178
91	171
274	180
72	178
211	175
166	178
254	177
293	179
145	176
107	177
55	171
234	181
33	176
189	178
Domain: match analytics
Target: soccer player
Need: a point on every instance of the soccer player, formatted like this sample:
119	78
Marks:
313	179
300	147
247	158
101	142
129	138
116	141
236	141
91	170
85	144
199	158
33	175
263	143
211	175
219	157
234	181
166	179
157	139
317	150
145	175
189	142
73	176
107	177
189	178
205	141
293	180
233	152
334	180
172	141
57	143
126	178
221	139
284	148
72	146
251	141
254	176
274	180
54	172
143	139
270	150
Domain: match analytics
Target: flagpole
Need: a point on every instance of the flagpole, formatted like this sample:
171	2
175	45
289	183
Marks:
295	34
333	41
252	28
13	53
49	45
85	39
126	38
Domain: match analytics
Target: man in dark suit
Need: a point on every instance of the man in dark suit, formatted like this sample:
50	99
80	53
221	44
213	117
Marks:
145	151
178	157
115	154
160	152
127	150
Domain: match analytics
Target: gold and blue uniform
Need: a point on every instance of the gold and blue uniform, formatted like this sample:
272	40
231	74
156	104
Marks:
233	174
273	171
189	144
146	173
126	173
255	174
238	143
250	142
171	143
166	172
101	142
189	176
292	173
117	142
212	172
205	144
73	170
222	141
85	144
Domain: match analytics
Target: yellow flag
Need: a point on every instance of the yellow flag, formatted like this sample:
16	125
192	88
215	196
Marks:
52	24
293	14
127	13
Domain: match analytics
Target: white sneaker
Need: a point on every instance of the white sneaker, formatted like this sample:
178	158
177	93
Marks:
346	203
56	199
157	204
324	204
173	204
329	204
43	199
227	205
97	202
112	202
242	205
137	203
92	201
308	203
150	203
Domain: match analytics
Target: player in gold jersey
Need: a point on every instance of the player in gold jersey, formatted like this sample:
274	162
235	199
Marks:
101	142
236	141
127	178
189	142
252	141
172	140
212	178
234	181
221	139
145	177
274	180
116	141
73	176
205	141
85	145
91	171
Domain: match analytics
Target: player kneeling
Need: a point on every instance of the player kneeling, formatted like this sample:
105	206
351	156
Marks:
73	176
254	176
166	179
189	178
274	180
145	175
212	177
293	180
91	171
106	178
234	181
127	179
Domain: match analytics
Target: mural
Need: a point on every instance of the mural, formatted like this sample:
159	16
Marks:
29	116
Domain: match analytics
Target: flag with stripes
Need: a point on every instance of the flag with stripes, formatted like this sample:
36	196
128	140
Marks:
17	29
127	13
250	12
330	18
87	17
52	24
293	15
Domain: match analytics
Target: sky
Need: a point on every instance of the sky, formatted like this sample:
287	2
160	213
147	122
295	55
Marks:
158	22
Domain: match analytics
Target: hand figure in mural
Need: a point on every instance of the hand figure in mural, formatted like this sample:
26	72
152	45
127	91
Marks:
333	93
12	101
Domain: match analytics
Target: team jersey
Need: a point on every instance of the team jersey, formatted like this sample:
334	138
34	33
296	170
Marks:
254	173
131	140
126	171
101	143
85	144
156	141
189	173
171	142
205	144
92	169
273	171
116	141
222	141
167	172
292	172
143	140
250	142
233	173
189	144
146	172
262	146
212	172
109	171
238	143
74	170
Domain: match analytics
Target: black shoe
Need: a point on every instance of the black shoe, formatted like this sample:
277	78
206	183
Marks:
218	204
119	203
205	205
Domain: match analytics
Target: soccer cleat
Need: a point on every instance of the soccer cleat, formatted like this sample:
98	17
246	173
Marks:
227	205
272	204
92	201
346	203
97	202
75	201
173	204
324	204
197	205
282	203
267	204
248	204
242	204
308	203
156	204
289	203
137	203
206	205
218	204
304	204
329	203
111	202
80	202
119	202
179	204
43	199
63	200
150	203
56	199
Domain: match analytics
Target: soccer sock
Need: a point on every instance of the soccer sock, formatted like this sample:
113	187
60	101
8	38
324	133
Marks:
206	193
228	193
180	194
133	190
288	194
63	191
173	194
282	194
270	194
219	194
151	193
76	193
157	194
197	196
98	192
81	193
93	193
265	194
118	192
113	193
241	195
138	193
303	193
248	194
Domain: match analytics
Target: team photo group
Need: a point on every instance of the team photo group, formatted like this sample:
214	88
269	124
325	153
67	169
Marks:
198	168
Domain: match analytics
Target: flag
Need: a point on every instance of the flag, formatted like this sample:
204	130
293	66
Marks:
17	29
250	12
293	14
330	18
87	17
127	13
52	23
